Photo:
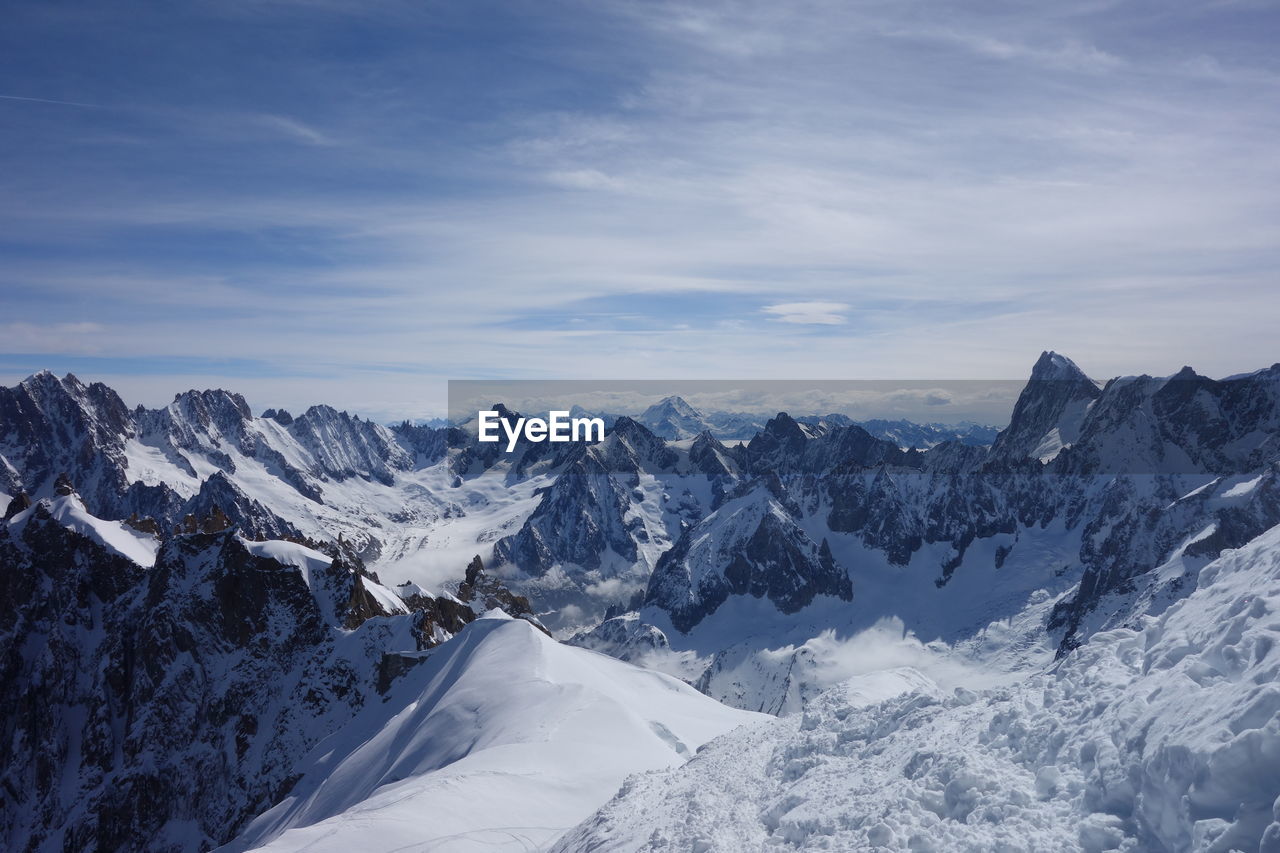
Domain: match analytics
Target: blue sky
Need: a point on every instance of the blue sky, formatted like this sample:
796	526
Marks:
316	200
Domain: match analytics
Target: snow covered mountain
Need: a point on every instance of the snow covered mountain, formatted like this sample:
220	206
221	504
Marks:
751	545
673	419
501	738
195	648
153	694
907	434
157	695
1164	736
1050	411
956	539
155	463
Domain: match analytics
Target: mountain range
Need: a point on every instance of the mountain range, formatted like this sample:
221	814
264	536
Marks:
674	419
222	629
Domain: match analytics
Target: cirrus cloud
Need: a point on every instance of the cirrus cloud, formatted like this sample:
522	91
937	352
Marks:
809	313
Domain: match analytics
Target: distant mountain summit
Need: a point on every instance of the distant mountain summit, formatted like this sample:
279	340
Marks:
673	419
922	436
1050	411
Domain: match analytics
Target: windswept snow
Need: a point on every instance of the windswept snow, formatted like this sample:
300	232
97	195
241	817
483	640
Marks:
117	536
307	560
1161	738
312	563
500	740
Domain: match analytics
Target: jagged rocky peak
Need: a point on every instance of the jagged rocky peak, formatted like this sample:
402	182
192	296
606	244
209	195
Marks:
52	425
707	455
1050	411
786	428
280	416
225	410
630	447
751	545
581	518
486	592
345	446
210	422
220	496
782	435
1053	365
1185	423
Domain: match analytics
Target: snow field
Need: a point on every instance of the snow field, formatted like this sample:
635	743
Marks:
1162	738
501	740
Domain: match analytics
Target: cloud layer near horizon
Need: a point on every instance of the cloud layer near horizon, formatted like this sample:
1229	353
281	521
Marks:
351	203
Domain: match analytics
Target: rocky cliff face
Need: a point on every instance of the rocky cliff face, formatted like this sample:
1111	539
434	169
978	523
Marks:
52	426
583	516
753	546
1049	412
1183	424
159	708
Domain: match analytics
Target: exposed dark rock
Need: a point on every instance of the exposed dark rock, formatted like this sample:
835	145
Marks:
219	496
485	592
17	504
750	546
1055	398
180	693
144	525
582	516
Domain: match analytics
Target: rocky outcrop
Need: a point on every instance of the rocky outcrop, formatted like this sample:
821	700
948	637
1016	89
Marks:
751	546
1049	412
485	592
1182	424
160	708
582	516
219	495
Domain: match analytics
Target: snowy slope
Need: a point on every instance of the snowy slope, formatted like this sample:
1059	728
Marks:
117	537
1162	738
674	419
500	740
315	569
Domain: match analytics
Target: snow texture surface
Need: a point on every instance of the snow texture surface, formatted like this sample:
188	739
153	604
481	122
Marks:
500	740
1162	738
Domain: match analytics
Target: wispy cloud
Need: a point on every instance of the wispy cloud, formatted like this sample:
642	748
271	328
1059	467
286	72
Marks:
644	189
52	338
50	101
294	129
809	313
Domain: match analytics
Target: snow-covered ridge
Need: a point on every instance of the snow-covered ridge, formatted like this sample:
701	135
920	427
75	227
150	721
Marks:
159	706
500	740
581	531
117	537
